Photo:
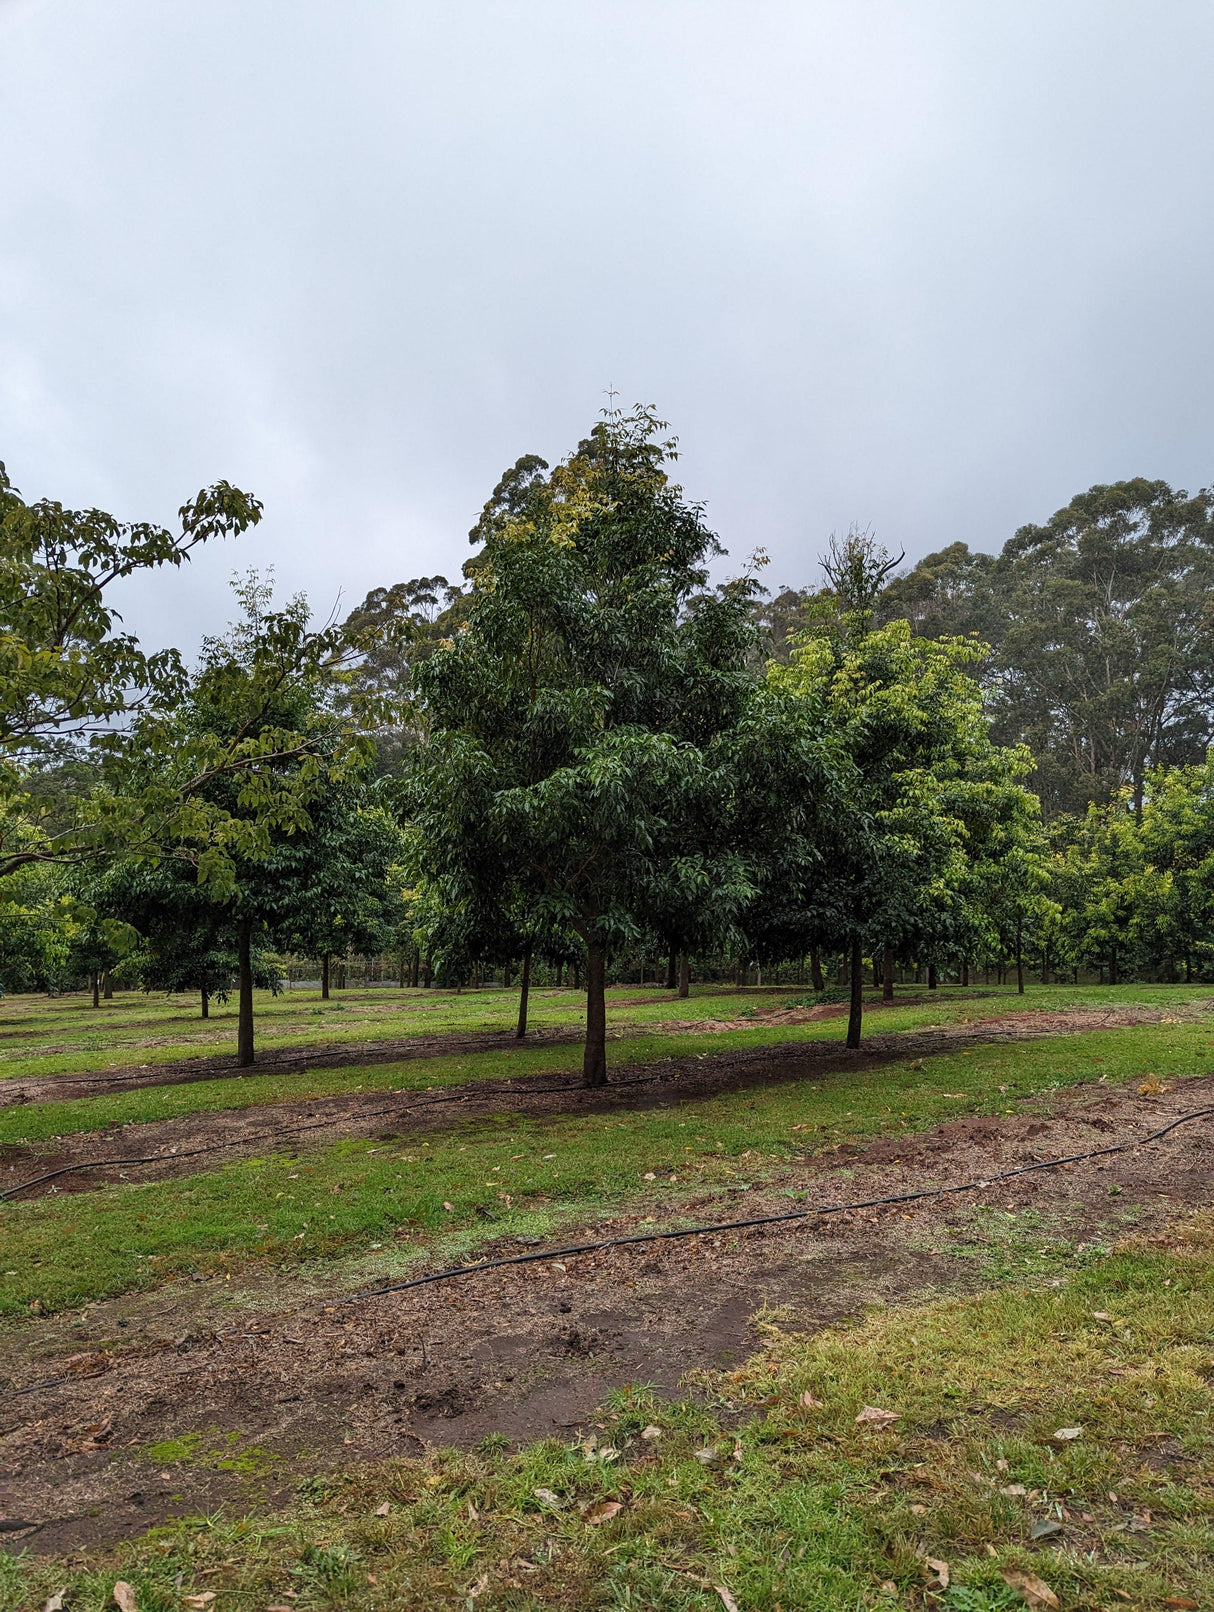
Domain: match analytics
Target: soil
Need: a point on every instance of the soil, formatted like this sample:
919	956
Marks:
162	1149
306	1383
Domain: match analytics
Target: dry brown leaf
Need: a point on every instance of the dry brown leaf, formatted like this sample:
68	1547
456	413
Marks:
727	1600
874	1416
1035	1591
602	1511
479	1588
124	1596
1064	1435
55	1602
199	1601
382	1511
1182	1603
934	1568
808	1402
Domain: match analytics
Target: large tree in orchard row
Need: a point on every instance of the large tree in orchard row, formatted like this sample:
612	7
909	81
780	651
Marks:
575	754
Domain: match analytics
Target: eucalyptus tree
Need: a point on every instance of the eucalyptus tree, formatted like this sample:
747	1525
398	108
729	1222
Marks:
575	749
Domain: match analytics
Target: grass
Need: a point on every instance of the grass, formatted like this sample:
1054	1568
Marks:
514	1175
761	1481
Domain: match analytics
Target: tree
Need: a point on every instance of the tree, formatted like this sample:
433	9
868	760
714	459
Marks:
574	753
249	759
66	673
906	716
1101	623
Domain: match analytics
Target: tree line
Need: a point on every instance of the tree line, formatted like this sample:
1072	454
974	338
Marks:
586	752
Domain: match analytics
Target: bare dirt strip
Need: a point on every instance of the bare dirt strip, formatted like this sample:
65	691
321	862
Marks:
530	1351
174	1146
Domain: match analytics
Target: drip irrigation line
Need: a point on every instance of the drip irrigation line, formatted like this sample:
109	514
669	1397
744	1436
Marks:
460	1095
977	1185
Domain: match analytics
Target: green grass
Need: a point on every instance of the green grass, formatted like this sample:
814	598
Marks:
762	1481
339	1199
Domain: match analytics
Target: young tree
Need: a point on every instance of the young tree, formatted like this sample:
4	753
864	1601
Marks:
575	724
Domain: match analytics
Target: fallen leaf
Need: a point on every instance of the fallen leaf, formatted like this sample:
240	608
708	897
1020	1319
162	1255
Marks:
888	1587
919	1511
934	1568
1182	1603
1101	1315
547	1497
557	1266
706	1456
602	1511
808	1402
283	1608
650	1433
55	1603
1043	1529
727	1600
649	1175
874	1416
382	1511
1014	1491
479	1588
449	1207
124	1595
1066	1434
1034	1590
199	1601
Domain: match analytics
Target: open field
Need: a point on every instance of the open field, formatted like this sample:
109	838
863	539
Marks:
176	1342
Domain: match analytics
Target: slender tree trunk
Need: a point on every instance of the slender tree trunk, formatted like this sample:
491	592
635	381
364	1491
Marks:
1045	963
415	968
933	979
1113	965
594	1061
341	975
672	964
1188	970
324	978
965	971
206	1003
684	974
244	1026
429	973
404	968
887	972
95	982
107	986
524	990
856	1014
1019	962
815	969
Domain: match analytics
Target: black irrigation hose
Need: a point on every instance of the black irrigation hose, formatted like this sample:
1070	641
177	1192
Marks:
460	1095
769	1220
721	1225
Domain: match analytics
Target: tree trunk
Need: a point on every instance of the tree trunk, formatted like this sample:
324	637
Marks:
684	974
95	982
429	973
206	1003
404	969
324	978
594	1060
1019	962
341	975
815	969
672	964
933	979
244	1026
1045	963
856	1012
107	986
524	990
965	971
415	968
1113	965
887	973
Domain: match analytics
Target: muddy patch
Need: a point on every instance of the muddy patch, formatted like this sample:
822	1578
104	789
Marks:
210	1392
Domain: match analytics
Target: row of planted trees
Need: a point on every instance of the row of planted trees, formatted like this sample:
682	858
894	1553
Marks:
580	759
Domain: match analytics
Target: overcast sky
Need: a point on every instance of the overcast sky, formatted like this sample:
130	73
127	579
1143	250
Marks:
933	266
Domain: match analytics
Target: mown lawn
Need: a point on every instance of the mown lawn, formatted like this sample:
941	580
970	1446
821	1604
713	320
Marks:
441	1195
1049	1444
